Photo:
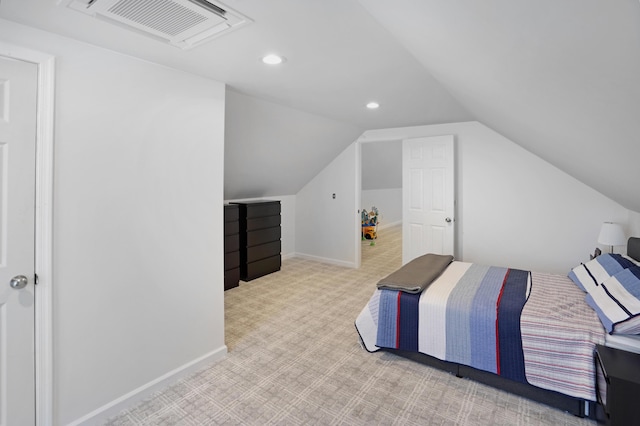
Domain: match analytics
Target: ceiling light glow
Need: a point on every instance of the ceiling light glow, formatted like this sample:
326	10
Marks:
373	105
272	59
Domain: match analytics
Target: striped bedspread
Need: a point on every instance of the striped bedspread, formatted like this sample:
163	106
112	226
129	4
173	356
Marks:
531	328
559	334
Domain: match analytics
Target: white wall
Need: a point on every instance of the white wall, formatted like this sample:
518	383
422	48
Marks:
633	228
387	201
138	223
515	209
287	222
382	180
382	165
325	227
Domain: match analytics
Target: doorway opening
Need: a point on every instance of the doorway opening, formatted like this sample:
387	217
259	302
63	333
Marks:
416	175
381	188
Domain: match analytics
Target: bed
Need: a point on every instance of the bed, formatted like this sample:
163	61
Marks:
532	334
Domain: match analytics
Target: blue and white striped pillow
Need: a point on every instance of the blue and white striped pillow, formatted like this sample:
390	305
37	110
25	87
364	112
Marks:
617	302
596	271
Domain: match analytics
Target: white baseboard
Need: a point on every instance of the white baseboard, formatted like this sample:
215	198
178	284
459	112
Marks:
99	416
325	260
288	256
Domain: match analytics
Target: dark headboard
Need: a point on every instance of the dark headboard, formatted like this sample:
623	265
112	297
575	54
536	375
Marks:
633	248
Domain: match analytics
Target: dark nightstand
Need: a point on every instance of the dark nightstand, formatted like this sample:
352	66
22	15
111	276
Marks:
618	385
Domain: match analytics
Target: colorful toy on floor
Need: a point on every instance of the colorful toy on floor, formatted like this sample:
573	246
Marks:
370	225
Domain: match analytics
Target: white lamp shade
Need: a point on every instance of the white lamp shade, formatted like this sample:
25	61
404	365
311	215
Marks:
611	234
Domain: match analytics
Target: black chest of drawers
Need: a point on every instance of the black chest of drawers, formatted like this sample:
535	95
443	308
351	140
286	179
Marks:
259	238
231	246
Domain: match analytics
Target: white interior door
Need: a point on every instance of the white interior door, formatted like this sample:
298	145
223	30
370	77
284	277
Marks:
18	90
427	196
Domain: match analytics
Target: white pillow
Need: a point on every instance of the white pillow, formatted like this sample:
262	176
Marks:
617	302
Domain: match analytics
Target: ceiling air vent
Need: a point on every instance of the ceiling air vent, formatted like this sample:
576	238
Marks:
182	23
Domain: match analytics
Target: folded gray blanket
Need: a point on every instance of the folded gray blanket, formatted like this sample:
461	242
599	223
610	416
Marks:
416	275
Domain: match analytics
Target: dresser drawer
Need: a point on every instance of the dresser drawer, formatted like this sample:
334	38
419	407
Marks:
261	267
231	228
263	251
262	236
231	260
263	222
263	209
231	243
231	278
231	213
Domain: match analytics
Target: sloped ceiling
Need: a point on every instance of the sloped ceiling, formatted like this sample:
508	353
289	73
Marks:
272	149
560	78
338	59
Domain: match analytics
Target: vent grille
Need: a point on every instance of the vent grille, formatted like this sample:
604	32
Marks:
183	23
164	16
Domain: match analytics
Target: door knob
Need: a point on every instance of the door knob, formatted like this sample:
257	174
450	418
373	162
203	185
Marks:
448	220
18	282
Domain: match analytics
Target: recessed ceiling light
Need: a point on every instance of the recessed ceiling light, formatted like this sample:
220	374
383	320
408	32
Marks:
373	105
273	59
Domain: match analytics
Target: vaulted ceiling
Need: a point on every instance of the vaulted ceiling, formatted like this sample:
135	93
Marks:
560	78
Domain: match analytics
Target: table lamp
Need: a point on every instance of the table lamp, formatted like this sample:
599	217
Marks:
611	234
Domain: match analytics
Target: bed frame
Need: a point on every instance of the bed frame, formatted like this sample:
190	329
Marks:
576	406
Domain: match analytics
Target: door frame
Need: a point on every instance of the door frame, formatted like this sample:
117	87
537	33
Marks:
398	135
358	198
43	225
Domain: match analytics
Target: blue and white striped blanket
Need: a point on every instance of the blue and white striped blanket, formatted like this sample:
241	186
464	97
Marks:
531	328
482	317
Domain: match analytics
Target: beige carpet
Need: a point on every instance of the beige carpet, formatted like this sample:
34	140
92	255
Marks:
294	359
